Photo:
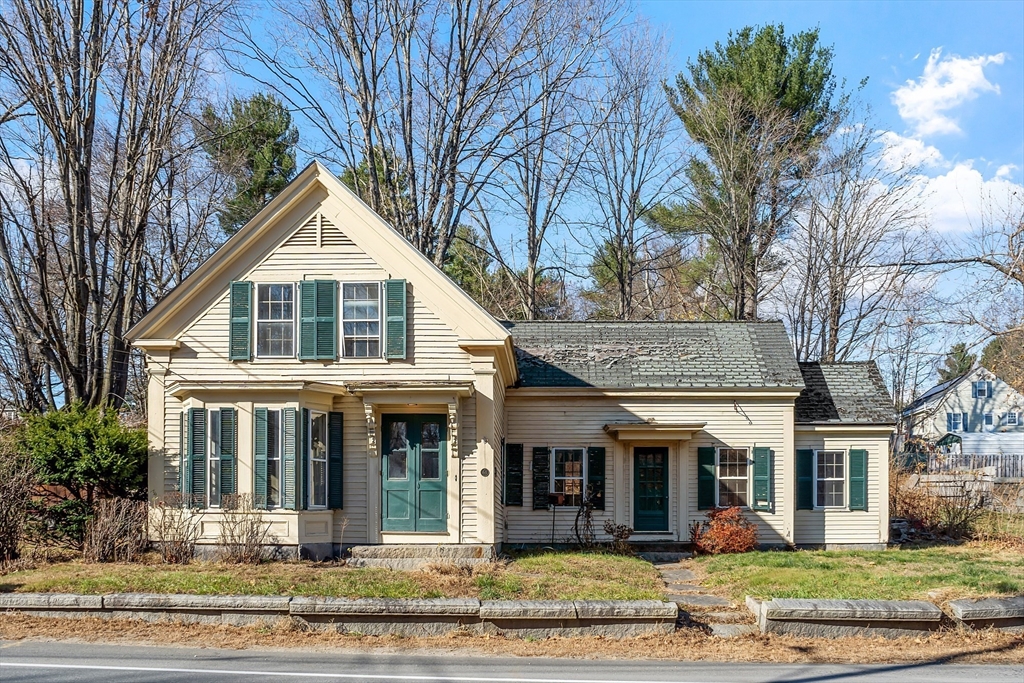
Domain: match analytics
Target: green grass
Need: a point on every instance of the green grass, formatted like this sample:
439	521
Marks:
958	571
543	576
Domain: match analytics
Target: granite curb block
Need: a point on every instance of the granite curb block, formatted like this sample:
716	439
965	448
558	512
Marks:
1001	613
837	618
370	616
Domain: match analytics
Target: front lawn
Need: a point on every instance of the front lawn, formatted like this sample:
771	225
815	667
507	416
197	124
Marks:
947	572
534	576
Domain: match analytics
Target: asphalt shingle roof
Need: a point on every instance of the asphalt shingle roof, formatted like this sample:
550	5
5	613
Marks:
844	393
654	354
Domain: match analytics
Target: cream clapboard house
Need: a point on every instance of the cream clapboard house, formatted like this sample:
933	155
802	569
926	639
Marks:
321	364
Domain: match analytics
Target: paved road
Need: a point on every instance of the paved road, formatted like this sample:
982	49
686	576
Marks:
54	661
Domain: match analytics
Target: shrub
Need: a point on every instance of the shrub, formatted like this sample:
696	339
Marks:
243	531
950	506
16	479
175	528
117	531
620	534
80	455
726	530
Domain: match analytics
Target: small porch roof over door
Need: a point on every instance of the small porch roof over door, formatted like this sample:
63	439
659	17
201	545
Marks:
653	431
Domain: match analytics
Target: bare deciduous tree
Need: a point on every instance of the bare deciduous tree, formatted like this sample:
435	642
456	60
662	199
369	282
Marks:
98	94
631	167
863	208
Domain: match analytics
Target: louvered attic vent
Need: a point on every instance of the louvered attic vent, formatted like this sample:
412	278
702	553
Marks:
318	232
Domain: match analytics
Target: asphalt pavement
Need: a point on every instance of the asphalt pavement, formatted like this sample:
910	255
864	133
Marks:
59	662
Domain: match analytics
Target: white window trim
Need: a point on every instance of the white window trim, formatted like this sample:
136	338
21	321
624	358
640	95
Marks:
326	461
212	415
256	321
1016	419
990	420
381	319
718	474
279	447
846	480
582	478
981	389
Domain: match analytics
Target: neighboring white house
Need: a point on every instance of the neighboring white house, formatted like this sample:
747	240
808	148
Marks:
976	402
321	364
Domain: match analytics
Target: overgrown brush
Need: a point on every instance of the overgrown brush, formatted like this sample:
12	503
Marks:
620	534
117	531
726	530
175	528
952	506
16	481
243	531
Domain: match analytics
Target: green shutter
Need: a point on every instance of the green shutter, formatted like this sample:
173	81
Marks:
318	315
394	305
326	319
307	320
762	479
240	324
288	465
228	452
302	463
259	458
805	479
541	468
197	456
335	460
182	452
858	479
706	477
595	476
514	474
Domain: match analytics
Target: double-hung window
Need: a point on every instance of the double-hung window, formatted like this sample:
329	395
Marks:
568	476
317	460
732	477
1012	419
275	321
213	461
981	389
957	422
273	458
830	479
988	419
360	313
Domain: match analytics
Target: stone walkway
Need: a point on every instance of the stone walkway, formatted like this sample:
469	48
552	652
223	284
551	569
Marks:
696	605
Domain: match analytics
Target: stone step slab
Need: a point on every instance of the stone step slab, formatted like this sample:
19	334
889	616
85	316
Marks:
437	553
1002	613
665	557
678	576
699	600
732	630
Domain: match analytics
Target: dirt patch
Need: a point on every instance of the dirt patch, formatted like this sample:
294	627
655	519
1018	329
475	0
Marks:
987	647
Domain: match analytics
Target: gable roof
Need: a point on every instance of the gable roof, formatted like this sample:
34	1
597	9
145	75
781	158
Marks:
318	186
937	393
650	354
844	393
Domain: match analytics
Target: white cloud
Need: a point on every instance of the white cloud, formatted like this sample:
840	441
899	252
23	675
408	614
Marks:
900	152
1006	170
956	201
945	84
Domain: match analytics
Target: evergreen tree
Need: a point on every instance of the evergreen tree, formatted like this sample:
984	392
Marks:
958	362
255	145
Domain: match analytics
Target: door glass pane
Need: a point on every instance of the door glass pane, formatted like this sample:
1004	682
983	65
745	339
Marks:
430	462
431	435
398	445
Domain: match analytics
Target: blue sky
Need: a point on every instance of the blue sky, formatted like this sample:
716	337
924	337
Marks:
961	110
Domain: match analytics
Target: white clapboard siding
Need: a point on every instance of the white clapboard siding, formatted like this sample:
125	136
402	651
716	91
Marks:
580	422
433	350
848	526
355	485
172	443
470	463
499	459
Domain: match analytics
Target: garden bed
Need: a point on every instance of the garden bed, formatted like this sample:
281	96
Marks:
531	576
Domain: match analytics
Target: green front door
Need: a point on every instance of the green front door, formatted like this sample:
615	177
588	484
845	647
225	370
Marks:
650	491
413	473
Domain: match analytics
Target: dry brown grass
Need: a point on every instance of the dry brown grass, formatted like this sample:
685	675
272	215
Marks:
986	647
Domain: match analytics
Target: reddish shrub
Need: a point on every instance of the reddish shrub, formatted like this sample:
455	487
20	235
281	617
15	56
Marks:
726	531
